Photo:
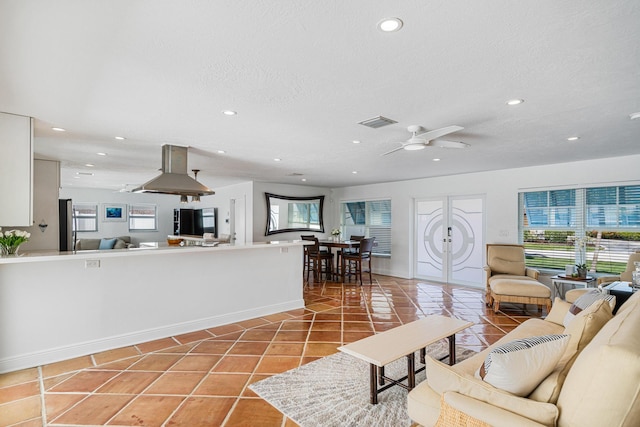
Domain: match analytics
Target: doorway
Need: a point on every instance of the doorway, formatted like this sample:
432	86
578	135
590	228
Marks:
237	220
449	240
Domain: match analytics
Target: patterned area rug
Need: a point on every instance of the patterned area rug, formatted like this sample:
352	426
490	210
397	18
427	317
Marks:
334	391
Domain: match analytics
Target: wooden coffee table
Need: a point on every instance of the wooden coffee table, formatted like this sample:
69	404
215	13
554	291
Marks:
383	348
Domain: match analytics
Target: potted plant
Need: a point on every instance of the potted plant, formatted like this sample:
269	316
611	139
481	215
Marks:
11	240
335	233
581	270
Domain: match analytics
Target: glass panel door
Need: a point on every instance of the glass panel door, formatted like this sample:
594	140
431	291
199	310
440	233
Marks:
449	240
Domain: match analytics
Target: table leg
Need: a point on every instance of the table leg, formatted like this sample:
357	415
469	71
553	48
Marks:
373	373
381	375
423	354
452	349
411	371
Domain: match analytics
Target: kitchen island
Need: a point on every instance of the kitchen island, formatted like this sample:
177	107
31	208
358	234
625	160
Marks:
59	305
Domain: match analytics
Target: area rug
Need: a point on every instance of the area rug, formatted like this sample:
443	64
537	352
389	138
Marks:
334	391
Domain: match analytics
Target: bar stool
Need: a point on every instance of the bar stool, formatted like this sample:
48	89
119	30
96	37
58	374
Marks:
317	260
353	262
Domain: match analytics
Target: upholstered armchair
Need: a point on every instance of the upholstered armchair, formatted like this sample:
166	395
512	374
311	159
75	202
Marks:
509	280
626	275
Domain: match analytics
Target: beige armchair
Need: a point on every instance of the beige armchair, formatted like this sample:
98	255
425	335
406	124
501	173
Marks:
626	275
508	280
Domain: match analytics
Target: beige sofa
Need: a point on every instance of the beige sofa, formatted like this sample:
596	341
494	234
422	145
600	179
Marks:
596	382
122	242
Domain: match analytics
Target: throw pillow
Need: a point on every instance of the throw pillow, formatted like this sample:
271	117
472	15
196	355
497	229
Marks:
581	330
107	243
520	365
503	266
558	311
585	301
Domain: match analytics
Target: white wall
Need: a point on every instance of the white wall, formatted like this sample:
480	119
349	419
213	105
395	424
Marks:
221	200
46	182
500	189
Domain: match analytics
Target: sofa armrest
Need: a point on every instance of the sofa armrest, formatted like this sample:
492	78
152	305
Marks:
532	272
456	408
608	279
487	274
443	378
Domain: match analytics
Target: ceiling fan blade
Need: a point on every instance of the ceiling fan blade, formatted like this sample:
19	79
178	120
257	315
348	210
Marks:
437	133
447	144
393	151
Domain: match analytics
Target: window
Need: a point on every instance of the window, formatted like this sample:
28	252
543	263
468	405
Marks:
370	219
303	215
85	217
142	218
608	218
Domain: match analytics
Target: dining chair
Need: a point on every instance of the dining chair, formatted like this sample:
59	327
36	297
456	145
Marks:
353	262
316	259
352	250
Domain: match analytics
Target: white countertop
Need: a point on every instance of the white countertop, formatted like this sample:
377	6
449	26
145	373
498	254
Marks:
163	248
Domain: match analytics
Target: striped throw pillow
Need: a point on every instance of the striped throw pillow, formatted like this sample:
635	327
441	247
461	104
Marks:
585	301
519	366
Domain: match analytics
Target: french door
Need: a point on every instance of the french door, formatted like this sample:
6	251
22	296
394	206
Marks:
450	239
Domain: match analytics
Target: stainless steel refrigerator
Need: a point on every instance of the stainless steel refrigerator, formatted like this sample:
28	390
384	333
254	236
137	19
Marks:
65	222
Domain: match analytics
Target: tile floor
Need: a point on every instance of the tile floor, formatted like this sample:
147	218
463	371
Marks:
202	378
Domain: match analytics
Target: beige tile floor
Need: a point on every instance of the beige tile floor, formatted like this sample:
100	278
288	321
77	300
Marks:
201	378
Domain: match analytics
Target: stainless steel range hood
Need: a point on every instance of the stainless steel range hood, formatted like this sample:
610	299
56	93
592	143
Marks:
174	178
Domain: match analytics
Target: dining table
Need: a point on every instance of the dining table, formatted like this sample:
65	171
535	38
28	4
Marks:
340	244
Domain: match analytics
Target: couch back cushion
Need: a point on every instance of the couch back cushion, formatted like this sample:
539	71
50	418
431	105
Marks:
602	387
506	259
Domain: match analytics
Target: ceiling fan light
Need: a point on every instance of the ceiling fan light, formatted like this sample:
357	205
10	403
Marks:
414	147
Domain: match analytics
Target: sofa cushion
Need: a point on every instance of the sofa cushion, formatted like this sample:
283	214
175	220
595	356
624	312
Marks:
558	312
442	378
520	365
524	288
505	266
107	243
584	301
603	386
582	329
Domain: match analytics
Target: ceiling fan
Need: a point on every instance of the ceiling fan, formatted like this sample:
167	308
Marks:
418	140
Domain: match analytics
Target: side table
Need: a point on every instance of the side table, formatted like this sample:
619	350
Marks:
560	280
622	292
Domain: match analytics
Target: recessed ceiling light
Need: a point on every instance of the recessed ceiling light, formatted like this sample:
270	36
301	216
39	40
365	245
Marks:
436	160
354	172
634	116
59	129
573	138
89	165
356	141
277	160
76	177
515	101
229	112
221	152
304	180
120	138
389	25
101	154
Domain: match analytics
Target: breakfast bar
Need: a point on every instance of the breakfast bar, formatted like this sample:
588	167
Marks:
59	305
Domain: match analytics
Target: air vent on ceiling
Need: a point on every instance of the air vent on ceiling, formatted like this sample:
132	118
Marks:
295	174
377	122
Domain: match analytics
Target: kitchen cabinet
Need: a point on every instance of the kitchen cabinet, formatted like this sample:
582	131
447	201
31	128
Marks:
16	170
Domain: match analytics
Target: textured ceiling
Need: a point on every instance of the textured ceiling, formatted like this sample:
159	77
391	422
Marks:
302	74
